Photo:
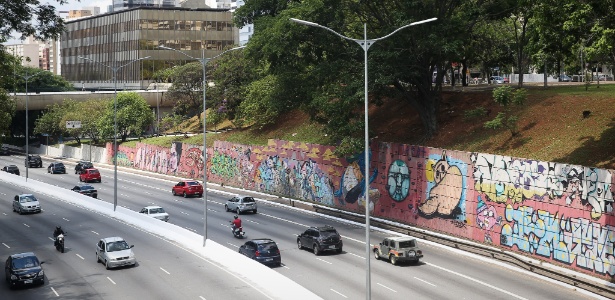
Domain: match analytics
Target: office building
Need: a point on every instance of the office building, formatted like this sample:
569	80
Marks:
117	38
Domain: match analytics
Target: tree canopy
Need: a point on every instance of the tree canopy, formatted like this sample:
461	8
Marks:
30	18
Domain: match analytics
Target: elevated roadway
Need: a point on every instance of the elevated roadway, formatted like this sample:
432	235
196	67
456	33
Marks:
40	101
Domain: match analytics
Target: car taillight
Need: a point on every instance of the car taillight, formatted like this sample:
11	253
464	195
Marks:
419	252
278	251
257	253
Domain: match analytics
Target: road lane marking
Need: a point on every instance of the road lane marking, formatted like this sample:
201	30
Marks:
202	297
54	291
5	245
96	233
281	219
253	222
324	260
26	225
163	270
5	214
80	256
386	287
419	279
184	213
111	280
359	256
65	219
477	281
339	293
190	229
285	267
233	245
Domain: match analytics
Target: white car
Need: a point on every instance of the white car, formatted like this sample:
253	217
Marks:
26	203
241	204
115	252
156	212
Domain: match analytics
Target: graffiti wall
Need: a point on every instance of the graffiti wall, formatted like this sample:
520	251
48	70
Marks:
551	211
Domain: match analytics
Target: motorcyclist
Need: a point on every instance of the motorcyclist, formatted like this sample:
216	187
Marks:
57	232
236	223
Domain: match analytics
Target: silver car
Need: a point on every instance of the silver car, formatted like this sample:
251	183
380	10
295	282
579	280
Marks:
115	252
155	212
26	203
240	204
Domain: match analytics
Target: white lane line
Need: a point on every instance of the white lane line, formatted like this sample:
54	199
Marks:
281	219
3	194
285	267
5	214
477	281
209	209
163	270
359	256
419	279
324	260
26	225
233	245
80	256
191	229
225	225
386	287
202	297
253	222
111	280
96	233
65	219
5	245
54	291
339	293
184	213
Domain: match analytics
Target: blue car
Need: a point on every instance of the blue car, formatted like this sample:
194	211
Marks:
264	251
56	168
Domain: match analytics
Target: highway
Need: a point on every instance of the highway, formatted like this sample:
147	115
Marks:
441	274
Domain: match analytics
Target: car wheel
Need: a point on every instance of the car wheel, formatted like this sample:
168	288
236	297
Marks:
173	192
254	211
237	211
14	209
107	265
316	249
97	258
299	245
185	195
338	250
20	211
393	259
376	256
80	179
226	208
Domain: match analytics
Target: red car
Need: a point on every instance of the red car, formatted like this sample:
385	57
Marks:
88	175
188	188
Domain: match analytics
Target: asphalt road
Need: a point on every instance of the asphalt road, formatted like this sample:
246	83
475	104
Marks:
441	274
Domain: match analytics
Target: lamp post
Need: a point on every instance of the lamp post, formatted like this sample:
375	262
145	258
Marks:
364	44
157	111
114	69
203	62
26	78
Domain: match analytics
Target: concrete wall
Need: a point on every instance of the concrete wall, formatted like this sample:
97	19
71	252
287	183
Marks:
552	211
97	154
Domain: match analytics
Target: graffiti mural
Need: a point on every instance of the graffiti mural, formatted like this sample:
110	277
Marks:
352	184
445	189
487	218
398	184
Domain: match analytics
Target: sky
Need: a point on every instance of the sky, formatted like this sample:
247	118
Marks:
71	5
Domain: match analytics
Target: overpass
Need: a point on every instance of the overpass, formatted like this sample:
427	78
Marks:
42	100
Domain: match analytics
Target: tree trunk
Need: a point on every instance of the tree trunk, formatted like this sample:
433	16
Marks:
464	80
426	100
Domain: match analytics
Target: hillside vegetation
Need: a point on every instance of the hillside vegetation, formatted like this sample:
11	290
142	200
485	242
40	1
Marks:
551	123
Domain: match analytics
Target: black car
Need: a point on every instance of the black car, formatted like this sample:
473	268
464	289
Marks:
13	169
56	167
86	189
264	251
34	161
320	239
83	165
4	150
24	269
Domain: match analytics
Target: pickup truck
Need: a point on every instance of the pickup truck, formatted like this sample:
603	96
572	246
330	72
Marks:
398	249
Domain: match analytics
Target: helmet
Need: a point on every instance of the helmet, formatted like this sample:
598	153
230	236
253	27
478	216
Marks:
58	227
235	217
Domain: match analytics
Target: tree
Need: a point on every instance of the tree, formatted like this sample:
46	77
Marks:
7	111
89	113
507	97
51	121
30	18
133	116
187	89
43	81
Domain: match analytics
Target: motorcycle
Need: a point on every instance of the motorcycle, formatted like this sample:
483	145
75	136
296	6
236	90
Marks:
60	243
238	232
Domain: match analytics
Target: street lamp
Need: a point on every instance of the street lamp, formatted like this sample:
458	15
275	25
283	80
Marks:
114	69
203	62
26	78
365	44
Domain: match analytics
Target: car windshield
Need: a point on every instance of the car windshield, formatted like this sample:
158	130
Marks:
248	199
28	198
158	210
192	183
328	233
117	246
268	247
86	187
86	165
93	171
407	244
25	262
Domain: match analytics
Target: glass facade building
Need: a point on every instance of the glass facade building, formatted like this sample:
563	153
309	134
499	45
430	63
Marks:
117	38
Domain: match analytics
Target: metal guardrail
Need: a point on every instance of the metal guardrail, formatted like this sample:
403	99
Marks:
494	253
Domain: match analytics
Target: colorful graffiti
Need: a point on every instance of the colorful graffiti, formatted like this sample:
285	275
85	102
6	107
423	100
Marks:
445	188
398	184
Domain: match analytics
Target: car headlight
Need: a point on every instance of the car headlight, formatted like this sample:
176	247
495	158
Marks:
131	255
41	273
13	277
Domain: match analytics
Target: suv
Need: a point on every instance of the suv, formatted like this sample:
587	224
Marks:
241	204
398	249
187	188
320	239
265	251
88	175
13	169
82	165
26	203
34	161
24	269
56	167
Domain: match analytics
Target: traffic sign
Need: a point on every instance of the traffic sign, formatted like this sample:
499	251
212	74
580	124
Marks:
73	124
